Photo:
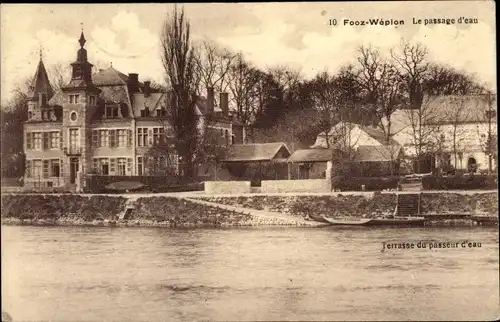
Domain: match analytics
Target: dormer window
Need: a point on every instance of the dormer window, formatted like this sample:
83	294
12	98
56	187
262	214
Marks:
145	112
111	111
161	112
74	98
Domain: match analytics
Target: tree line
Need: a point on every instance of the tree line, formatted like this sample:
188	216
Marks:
276	103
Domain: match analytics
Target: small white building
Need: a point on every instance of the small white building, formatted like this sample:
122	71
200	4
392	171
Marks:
456	127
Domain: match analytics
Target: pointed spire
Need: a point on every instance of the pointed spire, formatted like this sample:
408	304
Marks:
82	40
41	83
41	52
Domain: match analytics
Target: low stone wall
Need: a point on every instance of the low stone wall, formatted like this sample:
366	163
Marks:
367	206
224	187
306	185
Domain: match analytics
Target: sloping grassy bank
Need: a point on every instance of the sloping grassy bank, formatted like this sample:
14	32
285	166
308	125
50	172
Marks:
53	207
174	212
105	211
356	205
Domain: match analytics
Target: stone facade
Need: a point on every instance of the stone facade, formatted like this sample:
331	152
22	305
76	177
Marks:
102	123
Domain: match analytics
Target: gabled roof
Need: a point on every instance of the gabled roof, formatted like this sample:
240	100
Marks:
370	153
377	134
373	132
109	76
460	109
40	83
311	155
256	152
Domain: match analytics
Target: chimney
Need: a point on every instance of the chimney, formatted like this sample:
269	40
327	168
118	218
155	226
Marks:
210	100
147	88
224	103
133	82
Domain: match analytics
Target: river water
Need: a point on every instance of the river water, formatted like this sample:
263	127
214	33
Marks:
148	274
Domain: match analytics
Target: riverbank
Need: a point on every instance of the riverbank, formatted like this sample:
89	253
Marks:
168	212
201	211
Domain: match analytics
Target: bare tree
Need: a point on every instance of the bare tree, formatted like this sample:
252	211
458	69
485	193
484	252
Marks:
383	90
213	65
457	110
411	64
421	125
179	62
244	90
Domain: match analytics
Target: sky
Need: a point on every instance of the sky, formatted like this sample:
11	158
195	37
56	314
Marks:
268	34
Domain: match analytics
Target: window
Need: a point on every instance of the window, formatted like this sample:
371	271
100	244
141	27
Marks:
140	166
158	135
55	170
142	136
54	140
111	111
233	139
74	136
122	166
103	138
73	116
74	98
103	166
122	138
37	140
37	168
28	169
161	112
29	141
145	112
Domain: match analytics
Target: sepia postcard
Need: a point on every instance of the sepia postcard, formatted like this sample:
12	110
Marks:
323	161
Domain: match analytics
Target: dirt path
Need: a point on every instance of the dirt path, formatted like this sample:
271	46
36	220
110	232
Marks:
270	216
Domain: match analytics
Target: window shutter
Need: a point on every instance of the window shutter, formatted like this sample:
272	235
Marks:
95	138
112	138
61	140
129	166
28	169
28	141
45	140
46	168
129	138
150	137
112	166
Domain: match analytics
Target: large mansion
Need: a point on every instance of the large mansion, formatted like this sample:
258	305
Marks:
103	123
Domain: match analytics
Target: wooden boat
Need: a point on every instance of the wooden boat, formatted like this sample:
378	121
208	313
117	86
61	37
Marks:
398	221
381	221
348	222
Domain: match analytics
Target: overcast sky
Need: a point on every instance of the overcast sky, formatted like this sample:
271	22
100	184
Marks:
298	34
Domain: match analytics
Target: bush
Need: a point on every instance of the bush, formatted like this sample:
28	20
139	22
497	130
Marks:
460	182
344	183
